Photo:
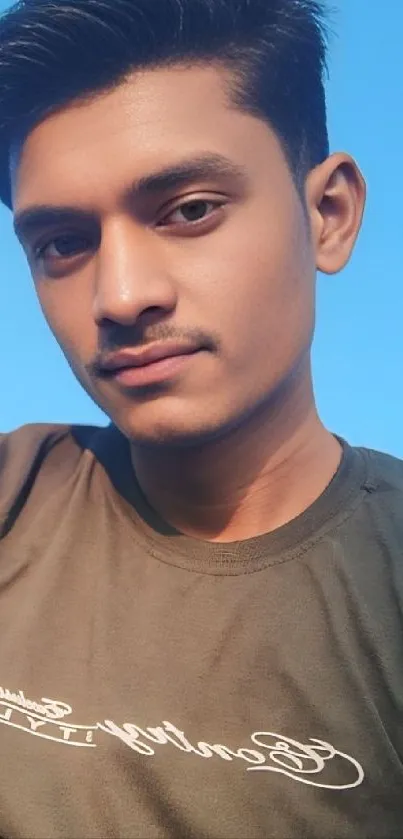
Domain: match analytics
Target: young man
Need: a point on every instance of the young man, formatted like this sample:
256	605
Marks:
201	604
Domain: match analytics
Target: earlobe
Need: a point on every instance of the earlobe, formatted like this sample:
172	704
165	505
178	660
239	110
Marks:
335	193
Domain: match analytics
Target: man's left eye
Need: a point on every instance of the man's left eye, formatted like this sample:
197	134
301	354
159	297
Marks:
193	211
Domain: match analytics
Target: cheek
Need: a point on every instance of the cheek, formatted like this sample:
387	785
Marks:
258	286
65	314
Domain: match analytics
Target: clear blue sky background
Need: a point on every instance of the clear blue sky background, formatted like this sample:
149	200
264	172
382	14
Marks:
358	351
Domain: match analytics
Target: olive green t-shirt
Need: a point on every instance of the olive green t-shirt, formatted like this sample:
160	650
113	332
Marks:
153	685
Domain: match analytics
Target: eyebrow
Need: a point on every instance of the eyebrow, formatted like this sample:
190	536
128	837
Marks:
32	219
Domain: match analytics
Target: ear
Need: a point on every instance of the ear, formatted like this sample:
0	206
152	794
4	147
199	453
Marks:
335	196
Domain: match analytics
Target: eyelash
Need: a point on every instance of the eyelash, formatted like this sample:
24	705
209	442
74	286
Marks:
39	250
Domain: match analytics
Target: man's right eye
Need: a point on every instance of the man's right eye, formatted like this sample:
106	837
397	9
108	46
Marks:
62	247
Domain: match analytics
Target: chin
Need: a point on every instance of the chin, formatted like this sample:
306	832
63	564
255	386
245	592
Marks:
173	429
168	436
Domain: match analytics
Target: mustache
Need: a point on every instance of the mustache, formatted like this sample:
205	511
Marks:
140	339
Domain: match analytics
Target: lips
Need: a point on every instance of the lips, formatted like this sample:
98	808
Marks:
148	355
155	365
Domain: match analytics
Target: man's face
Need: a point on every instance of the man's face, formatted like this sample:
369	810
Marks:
220	263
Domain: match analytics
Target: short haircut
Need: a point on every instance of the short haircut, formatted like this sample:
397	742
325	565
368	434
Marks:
53	52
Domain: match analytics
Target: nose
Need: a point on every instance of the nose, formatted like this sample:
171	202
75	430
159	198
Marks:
132	276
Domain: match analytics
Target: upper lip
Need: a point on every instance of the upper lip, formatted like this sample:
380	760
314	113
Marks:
147	355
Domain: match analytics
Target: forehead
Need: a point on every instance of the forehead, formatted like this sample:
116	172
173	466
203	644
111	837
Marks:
88	150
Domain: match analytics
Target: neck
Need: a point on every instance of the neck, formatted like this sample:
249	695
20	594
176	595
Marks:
256	479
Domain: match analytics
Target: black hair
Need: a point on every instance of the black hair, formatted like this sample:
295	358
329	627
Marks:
55	51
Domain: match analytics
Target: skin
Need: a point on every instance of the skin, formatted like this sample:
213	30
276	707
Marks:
232	445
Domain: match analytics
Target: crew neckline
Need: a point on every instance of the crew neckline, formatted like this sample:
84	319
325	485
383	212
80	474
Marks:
166	544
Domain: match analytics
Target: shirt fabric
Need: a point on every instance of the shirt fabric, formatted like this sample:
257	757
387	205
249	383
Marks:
154	685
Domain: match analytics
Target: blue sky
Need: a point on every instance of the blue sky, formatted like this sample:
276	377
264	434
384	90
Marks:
358	350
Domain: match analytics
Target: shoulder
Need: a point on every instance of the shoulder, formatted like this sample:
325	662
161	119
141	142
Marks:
385	472
384	497
38	453
26	448
28	440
